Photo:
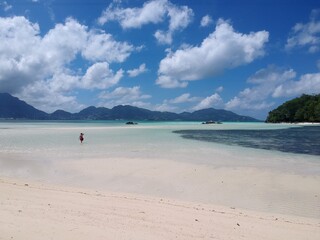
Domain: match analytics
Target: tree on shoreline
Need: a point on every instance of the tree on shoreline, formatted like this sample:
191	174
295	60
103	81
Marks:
302	109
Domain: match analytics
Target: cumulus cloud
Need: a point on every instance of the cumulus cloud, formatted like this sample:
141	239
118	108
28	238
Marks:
60	82
124	96
137	71
41	95
186	97
57	92
165	107
163	37
270	83
172	105
102	47
18	66
152	12
100	76
180	18
212	101
306	35
31	63
61	44
223	49
307	84
206	21
265	82
241	103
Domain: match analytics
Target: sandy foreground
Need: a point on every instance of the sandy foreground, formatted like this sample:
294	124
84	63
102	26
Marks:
33	210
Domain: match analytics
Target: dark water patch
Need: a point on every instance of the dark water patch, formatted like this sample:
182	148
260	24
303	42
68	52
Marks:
303	140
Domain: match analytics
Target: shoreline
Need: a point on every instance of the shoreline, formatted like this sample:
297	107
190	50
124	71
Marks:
148	183
45	211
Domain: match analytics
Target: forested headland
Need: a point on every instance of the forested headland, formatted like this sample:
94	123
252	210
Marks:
302	109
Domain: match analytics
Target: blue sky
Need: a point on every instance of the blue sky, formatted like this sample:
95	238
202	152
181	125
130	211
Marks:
246	56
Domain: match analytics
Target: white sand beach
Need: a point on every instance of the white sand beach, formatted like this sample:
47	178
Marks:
35	211
148	183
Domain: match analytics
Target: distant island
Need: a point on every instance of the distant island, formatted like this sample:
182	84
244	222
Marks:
302	109
13	108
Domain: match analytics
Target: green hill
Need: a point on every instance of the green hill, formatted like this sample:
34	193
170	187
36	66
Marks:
302	109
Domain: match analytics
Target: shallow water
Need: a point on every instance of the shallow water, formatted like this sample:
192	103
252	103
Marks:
58	141
304	140
149	158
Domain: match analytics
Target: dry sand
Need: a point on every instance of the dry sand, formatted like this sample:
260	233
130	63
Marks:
31	210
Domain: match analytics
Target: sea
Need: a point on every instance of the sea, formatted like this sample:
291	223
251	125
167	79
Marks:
178	141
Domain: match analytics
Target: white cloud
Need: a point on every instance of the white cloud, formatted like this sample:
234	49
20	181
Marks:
41	95
206	21
102	47
223	49
18	65
169	82
163	37
62	82
62	43
308	84
165	107
124	96
151	12
180	18
270	83
237	103
212	101
265	81
137	71
271	76
32	64
186	97
171	104
306	35
154	11
56	92
100	76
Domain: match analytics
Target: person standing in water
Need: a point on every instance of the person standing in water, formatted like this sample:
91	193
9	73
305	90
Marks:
81	138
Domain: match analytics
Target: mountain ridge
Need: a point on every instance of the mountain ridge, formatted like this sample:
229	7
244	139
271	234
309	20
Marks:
14	108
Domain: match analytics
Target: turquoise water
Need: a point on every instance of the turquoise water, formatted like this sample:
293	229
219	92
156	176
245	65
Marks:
49	141
60	138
